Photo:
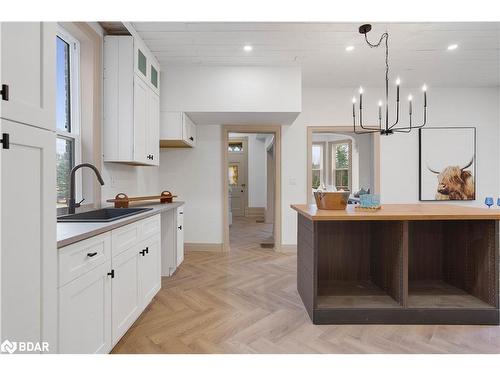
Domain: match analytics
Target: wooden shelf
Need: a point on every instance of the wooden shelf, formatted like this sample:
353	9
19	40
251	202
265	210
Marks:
439	294
353	294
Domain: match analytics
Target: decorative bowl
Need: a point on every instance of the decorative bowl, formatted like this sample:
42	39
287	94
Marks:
329	200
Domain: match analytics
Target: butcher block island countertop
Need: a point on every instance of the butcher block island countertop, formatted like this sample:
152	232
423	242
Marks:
400	212
401	264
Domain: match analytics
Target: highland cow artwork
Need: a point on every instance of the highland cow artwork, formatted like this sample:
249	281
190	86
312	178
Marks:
447	164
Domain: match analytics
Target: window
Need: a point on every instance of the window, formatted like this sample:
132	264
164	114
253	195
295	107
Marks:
233	175
235	147
341	165
67	112
318	165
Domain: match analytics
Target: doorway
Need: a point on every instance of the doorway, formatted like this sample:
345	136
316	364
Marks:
251	197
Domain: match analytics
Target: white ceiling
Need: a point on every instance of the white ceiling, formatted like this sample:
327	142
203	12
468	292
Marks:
417	51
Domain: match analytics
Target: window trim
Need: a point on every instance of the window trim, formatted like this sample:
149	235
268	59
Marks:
75	106
323	170
332	168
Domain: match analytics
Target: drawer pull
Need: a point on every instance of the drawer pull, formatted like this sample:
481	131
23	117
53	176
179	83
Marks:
90	255
180	227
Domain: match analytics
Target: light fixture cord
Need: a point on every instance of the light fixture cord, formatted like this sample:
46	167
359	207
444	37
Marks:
375	45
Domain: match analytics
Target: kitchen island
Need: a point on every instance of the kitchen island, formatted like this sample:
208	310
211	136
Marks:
402	264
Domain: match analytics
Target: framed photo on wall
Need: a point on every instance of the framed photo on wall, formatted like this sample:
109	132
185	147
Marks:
447	163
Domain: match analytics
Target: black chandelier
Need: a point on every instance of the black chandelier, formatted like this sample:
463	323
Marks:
387	129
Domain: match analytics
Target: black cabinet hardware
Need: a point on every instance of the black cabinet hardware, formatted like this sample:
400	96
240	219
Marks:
5	92
181	213
142	252
150	157
5	141
112	274
191	138
147	249
90	255
180	227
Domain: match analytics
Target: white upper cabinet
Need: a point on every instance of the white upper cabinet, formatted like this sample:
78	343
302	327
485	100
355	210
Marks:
177	130
131	102
28	73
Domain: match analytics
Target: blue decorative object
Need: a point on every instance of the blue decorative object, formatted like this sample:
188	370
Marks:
488	201
369	200
498	201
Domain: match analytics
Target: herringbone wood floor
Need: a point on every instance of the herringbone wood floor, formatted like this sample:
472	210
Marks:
246	301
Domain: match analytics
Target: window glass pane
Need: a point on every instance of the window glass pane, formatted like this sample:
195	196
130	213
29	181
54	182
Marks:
235	147
63	113
316	178
141	62
233	175
154	76
317	156
65	151
342	156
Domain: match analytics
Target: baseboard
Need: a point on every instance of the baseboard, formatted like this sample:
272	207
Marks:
288	249
254	211
215	247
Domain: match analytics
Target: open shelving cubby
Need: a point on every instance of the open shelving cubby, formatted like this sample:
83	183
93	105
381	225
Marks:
451	264
359	265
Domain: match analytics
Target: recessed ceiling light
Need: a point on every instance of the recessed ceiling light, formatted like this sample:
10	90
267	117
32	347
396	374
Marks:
349	48
451	47
247	48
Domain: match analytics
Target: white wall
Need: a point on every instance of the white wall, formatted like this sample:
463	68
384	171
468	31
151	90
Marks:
399	153
195	175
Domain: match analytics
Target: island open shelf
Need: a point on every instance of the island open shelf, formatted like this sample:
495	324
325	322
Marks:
403	264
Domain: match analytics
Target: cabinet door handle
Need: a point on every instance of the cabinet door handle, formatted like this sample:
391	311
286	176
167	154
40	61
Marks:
112	274
142	252
5	141
191	138
90	255
180	227
5	92
147	249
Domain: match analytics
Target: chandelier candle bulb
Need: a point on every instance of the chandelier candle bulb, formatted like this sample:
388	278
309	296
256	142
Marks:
410	98
360	97
424	89
354	108
380	110
398	81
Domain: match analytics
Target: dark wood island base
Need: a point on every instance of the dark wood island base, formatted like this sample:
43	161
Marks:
403	264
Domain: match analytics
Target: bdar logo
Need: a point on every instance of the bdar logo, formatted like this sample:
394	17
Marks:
8	347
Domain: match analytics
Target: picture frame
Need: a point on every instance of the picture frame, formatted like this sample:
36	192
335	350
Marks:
447	164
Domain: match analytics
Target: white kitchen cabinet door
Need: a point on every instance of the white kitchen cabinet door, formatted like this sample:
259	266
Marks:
125	296
150	269
153	129
177	130
85	313
28	242
29	69
141	121
180	236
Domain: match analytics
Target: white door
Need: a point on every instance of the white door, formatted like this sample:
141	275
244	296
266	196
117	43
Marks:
180	236
141	114
153	129
85	313
237	175
149	269
126	304
29	69
28	242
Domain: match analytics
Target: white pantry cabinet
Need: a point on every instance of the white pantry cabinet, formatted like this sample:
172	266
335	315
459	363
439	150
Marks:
131	104
28	70
172	240
177	130
28	235
110	278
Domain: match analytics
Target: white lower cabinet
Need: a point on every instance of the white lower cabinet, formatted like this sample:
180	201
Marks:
103	292
172	240
126	304
85	313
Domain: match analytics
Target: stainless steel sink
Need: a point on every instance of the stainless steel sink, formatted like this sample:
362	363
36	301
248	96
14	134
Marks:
103	215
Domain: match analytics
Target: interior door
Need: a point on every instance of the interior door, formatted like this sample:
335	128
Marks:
237	175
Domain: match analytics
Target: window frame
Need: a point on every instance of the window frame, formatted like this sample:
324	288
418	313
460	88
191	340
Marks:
333	169
322	170
75	107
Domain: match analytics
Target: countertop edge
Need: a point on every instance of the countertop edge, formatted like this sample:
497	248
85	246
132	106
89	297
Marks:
157	209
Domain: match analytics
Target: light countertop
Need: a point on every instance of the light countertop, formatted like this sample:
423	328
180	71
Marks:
68	233
400	212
